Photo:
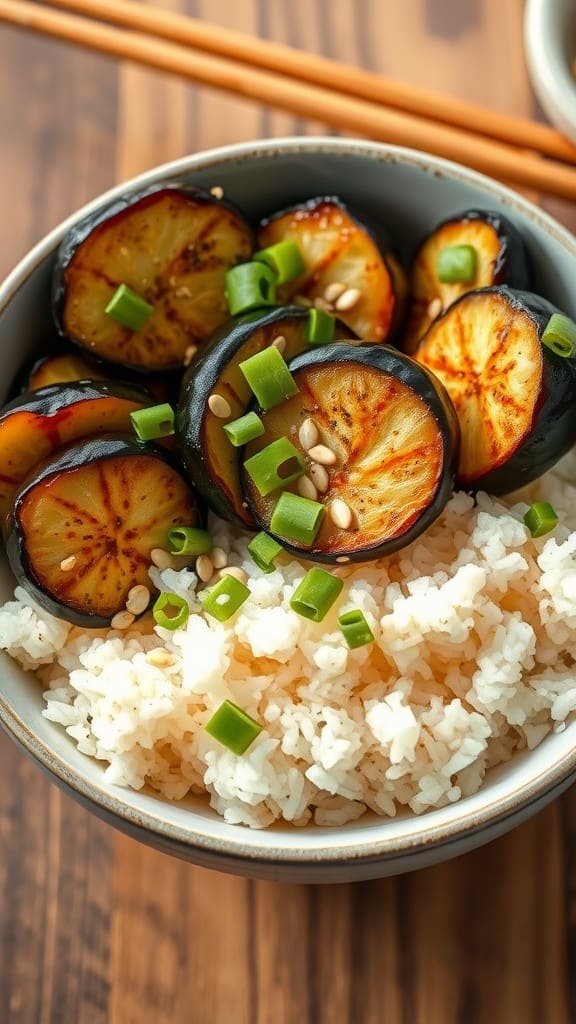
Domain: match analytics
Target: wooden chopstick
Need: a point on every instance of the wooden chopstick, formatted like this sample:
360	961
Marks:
361	117
318	70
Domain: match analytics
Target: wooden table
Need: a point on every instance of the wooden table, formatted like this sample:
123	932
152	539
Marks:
95	928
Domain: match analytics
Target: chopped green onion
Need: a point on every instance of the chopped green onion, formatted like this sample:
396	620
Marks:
321	326
189	540
357	632
560	335
269	377
284	258
297	518
541	518
233	728
457	263
249	286
315	595
156	421
276	465
224	598
128	308
170	611
264	549
244	429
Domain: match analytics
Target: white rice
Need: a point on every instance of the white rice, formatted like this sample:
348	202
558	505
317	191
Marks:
474	655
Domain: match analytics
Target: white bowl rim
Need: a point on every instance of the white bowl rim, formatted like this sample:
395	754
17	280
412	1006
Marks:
413	833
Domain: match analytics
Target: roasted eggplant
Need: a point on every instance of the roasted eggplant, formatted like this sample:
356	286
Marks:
499	258
515	398
206	451
345	270
62	369
37	423
171	248
379	440
84	522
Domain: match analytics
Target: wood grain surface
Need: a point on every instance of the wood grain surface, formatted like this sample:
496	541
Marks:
97	929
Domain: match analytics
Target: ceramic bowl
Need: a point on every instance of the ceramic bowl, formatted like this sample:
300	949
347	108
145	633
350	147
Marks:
410	192
550	42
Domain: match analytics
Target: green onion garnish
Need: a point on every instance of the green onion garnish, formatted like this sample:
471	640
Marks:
276	465
284	258
170	611
541	518
264	550
356	630
560	335
321	326
233	728
297	518
457	263
315	595
224	598
128	308
189	540
244	429
249	286
269	377
156	421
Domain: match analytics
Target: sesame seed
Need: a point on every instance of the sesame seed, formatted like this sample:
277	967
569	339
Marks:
308	435
280	343
161	559
343	558
159	658
319	476
306	488
189	354
347	300
138	599
67	564
322	454
434	308
340	514
235	571
333	291
217	191
219	406
219	558
122	620
204	568
321	303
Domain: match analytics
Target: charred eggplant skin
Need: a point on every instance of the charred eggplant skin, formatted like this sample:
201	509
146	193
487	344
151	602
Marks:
429	389
553	428
72	457
206	451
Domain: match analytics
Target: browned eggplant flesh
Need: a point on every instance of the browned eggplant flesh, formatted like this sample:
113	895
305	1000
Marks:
171	249
379	443
84	523
62	369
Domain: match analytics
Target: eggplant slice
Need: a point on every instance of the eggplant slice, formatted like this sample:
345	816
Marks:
515	398
62	369
173	248
500	259
98	508
395	436
339	250
37	423
206	451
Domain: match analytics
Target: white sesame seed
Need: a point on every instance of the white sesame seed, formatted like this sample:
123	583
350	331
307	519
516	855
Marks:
138	599
235	571
67	564
319	476
340	514
189	354
348	299
280	343
306	488
434	308
308	435
334	290
217	191
159	658
122	620
161	559
343	558
219	558
321	303
322	454
219	406
204	568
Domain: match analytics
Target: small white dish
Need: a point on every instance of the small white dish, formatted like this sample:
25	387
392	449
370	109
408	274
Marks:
550	42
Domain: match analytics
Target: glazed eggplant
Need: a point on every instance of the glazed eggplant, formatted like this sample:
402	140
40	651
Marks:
84	522
515	397
206	451
498	258
171	248
345	270
379	440
62	369
39	422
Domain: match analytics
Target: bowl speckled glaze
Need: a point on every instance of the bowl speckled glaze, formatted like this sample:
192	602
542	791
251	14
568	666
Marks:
409	192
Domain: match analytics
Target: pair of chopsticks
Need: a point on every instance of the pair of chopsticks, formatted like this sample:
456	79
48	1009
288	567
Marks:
510	148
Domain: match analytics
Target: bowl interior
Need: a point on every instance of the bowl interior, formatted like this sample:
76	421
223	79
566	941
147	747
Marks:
401	194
